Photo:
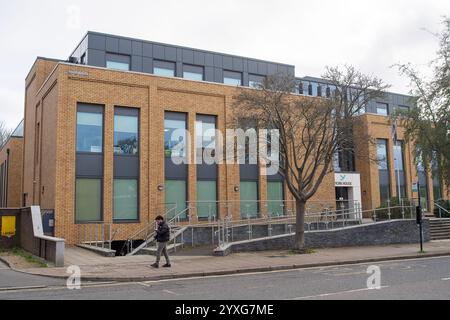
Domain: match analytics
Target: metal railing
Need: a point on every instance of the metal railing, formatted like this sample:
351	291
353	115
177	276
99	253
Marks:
97	234
326	219
441	209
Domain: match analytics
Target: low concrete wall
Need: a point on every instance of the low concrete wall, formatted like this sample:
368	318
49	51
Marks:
30	236
381	233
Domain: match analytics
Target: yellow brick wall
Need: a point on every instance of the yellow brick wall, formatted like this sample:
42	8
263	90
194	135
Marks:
15	147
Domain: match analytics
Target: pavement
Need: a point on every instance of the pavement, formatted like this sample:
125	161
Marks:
187	265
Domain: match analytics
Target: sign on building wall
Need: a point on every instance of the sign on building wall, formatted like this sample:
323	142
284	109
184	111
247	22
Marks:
8	226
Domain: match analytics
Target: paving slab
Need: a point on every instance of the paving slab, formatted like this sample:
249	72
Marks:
137	268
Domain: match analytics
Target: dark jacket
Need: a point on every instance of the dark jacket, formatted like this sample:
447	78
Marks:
163	232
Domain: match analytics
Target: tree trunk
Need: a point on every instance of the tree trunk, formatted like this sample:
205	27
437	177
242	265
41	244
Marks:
300	208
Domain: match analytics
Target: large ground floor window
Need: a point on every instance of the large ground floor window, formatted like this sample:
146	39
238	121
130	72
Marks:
176	196
206	199
125	199
249	199
88	200
275	197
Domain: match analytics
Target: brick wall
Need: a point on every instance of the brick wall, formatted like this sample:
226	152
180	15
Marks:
15	147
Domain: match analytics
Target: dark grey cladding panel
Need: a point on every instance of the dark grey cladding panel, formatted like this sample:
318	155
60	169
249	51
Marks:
272	68
227	63
209	59
245	79
252	66
262	68
126	166
96	58
147	50
124	46
158	52
188	56
209	74
170	53
179	70
218	61
136	48
97	42
179	54
249	172
147	65
89	165
173	171
199	58
136	63
275	177
238	64
206	172
112	44
218	75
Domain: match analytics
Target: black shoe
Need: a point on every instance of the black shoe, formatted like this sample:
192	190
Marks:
167	265
155	265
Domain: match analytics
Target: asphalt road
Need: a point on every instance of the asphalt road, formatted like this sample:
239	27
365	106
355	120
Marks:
409	279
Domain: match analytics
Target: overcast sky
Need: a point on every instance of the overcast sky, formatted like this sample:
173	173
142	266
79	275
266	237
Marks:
371	35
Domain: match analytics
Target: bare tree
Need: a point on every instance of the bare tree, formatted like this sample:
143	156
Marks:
4	133
428	124
312	130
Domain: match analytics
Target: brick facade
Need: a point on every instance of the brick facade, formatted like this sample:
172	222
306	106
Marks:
14	170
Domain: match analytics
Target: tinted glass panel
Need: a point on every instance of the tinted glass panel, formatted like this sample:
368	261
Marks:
193	72
125	199
275	197
249	199
175	192
88	196
125	134
382	108
206	197
232	78
175	136
163	68
383	170
89	132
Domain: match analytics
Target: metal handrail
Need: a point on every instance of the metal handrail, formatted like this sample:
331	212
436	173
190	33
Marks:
440	209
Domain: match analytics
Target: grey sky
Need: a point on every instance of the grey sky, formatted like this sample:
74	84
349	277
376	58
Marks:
371	35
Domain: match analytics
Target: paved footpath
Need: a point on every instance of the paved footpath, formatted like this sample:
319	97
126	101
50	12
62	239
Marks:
137	268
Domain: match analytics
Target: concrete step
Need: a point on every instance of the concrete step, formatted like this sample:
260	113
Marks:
440	237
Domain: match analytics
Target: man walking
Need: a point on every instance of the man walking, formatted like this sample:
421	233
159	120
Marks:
162	237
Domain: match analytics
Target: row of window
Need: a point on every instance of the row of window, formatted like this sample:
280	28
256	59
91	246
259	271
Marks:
191	72
90	133
384	174
383	108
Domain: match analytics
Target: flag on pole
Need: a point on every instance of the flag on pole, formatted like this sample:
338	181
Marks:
394	131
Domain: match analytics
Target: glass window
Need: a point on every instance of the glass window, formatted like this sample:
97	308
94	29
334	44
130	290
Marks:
125	134
275	197
382	108
125	199
88	197
249	199
255	81
175	134
437	191
399	168
305	88
175	193
402	108
193	72
205	127
163	68
423	185
89	132
319	90
117	65
383	170
118	62
207	199
232	78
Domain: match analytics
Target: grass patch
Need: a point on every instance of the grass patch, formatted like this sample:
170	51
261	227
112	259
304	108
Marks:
28	257
304	251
